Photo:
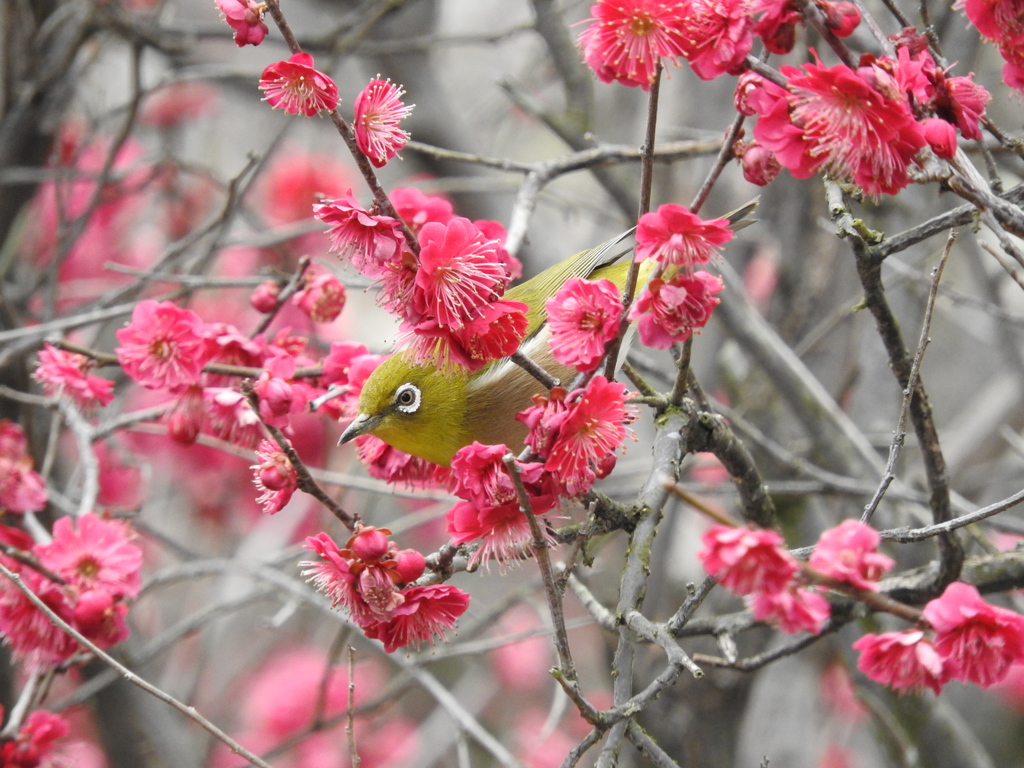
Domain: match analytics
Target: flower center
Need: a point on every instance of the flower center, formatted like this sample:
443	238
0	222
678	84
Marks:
641	26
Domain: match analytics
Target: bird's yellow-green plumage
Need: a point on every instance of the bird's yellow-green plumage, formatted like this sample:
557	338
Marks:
432	414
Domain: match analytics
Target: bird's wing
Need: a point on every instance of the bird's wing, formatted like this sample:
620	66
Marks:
543	286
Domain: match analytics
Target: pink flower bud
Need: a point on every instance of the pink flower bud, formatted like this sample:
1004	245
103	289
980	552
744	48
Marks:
322	299
411	565
842	18
369	544
264	298
941	137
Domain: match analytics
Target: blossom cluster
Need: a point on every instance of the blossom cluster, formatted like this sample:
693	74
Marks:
626	40
584	315
755	563
960	636
868	124
963	638
166	348
490	511
372	579
448	296
865	124
86	575
296	87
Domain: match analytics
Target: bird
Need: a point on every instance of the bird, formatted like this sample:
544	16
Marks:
431	414
424	412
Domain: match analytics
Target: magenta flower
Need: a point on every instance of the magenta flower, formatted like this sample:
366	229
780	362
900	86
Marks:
583	317
393	466
66	374
274	477
246	18
578	433
100	569
322	297
503	531
231	418
977	641
777	26
1002	22
426	613
670	312
91	553
370	240
32	638
34	742
22	489
905	661
747	560
490	512
417	209
791	609
294	86
459	273
718	36
481	475
364	578
857	125
759	164
627	38
849	553
378	112
279	394
493	333
185	420
164	346
334	576
673	235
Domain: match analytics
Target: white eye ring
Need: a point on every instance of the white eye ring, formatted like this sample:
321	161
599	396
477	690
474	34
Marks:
407	398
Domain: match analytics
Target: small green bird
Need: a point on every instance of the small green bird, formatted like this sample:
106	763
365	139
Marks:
428	413
431	414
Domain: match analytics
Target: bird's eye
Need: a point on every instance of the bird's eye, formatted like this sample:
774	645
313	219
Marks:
407	398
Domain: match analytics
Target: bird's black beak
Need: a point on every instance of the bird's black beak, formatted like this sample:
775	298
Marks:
363	423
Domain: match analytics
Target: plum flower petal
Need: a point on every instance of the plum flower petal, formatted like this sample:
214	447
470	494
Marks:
459	273
855	124
978	642
627	38
792	610
583	317
164	346
378	112
427	613
370	240
66	374
673	235
246	18
905	661
747	560
578	433
297	88
669	312
849	553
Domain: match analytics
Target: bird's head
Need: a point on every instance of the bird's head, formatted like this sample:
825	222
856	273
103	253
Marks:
414	408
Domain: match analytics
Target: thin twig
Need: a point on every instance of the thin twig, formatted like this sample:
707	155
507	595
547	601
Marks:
901	423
